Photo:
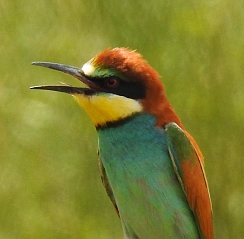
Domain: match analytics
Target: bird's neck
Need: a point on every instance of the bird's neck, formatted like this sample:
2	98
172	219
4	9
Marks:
157	104
112	110
162	110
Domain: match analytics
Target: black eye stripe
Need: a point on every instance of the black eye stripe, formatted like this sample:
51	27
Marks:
133	90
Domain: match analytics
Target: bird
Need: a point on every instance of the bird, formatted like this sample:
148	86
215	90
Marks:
151	167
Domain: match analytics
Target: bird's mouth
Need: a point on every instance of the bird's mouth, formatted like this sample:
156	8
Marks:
70	70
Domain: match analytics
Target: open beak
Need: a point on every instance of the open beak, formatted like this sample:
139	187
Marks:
70	70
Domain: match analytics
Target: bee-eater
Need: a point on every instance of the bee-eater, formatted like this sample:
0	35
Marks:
151	167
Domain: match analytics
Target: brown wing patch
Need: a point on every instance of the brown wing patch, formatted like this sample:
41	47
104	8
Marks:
197	191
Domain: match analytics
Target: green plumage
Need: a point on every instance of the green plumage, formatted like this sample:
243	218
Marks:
143	182
182	145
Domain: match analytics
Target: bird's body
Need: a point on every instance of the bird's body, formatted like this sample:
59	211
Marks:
148	194
151	167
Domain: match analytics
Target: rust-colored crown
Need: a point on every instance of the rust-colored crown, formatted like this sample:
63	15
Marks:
127	62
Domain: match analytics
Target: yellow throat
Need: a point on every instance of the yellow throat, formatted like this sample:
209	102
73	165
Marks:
104	108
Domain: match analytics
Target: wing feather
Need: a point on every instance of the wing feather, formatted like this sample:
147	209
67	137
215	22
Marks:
188	164
107	185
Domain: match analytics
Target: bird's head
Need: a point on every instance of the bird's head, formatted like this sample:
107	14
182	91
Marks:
120	84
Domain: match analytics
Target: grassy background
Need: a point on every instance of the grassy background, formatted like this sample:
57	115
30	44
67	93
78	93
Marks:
49	179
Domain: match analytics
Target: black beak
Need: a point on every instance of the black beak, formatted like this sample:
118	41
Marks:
70	70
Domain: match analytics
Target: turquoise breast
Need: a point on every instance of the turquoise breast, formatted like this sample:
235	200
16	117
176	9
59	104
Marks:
150	200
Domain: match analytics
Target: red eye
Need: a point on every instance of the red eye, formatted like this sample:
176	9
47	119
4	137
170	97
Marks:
111	82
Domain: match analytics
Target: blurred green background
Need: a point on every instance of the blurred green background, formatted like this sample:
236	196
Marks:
49	179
